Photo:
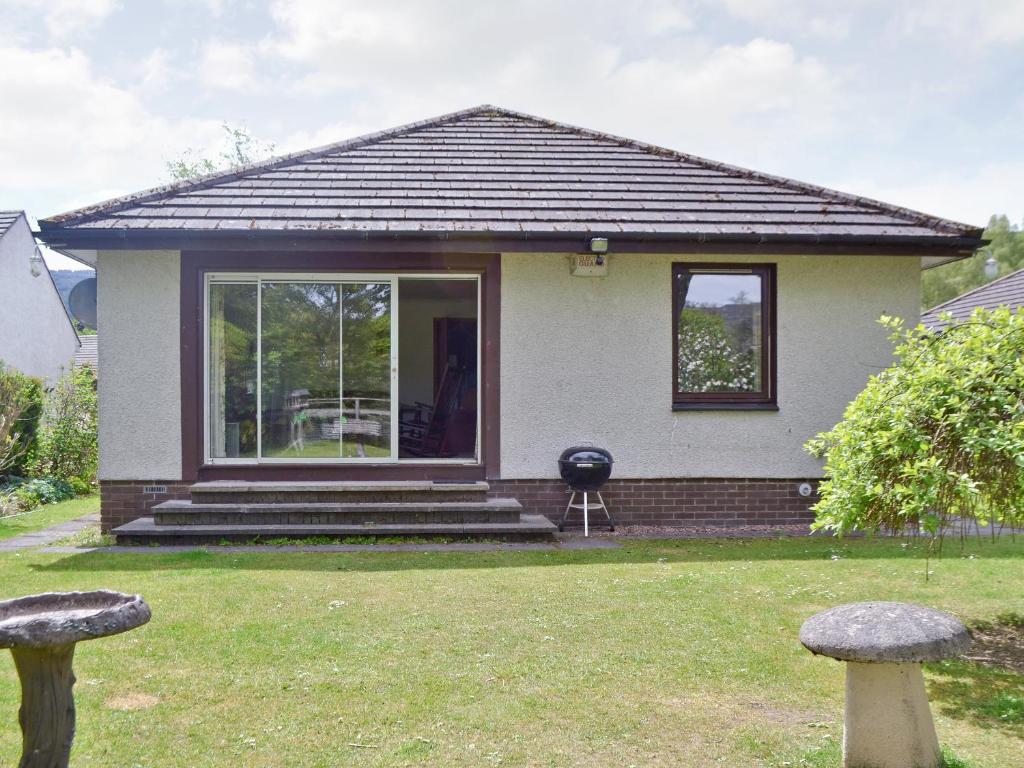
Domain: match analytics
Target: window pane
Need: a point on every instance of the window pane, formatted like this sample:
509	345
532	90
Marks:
720	329
366	374
232	371
301	370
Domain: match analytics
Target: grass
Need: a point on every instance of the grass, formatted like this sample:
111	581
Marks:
45	516
660	653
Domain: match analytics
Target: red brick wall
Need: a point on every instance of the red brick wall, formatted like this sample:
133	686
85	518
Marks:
122	501
682	502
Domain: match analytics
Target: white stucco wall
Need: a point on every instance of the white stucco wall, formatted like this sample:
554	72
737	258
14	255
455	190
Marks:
590	360
138	302
36	335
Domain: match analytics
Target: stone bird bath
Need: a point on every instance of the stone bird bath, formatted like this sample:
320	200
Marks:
888	722
41	631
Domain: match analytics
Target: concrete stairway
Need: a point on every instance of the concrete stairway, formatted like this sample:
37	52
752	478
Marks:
253	511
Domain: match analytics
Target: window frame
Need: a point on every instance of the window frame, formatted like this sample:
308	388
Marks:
765	399
259	278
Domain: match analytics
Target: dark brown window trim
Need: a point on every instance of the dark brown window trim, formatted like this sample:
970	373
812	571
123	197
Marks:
195	265
765	400
707	406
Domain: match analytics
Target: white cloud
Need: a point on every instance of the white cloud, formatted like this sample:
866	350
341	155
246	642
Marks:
64	18
157	70
227	66
101	137
969	195
976	23
816	18
597	64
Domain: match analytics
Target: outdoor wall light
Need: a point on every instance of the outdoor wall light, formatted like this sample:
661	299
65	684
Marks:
35	262
599	245
991	266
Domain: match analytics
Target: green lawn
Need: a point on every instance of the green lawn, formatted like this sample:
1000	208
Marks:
48	515
658	654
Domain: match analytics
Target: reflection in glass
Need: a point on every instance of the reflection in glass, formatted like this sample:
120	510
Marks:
720	332
301	370
366	370
232	370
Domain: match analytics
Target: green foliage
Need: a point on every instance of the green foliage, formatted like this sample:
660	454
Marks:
944	283
21	406
239	149
937	436
38	491
68	442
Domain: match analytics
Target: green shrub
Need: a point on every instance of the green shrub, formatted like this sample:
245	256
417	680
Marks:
81	487
937	437
67	441
21	406
38	491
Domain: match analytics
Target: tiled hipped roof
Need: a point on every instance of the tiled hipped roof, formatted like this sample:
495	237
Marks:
1006	291
490	171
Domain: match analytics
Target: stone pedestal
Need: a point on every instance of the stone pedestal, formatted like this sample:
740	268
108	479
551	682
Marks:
888	723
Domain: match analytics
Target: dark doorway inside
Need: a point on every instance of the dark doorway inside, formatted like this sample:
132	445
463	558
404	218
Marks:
438	380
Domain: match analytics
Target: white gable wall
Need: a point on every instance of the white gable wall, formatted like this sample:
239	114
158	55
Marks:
36	336
590	360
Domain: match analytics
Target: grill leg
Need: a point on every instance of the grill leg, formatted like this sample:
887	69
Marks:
586	523
611	520
565	515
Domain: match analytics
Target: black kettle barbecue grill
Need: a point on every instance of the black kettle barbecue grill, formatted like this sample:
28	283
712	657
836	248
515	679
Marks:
585	469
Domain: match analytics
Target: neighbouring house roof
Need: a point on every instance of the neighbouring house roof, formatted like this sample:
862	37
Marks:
497	175
1006	291
88	352
7	218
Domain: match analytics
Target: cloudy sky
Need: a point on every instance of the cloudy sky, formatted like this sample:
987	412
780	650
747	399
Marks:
916	102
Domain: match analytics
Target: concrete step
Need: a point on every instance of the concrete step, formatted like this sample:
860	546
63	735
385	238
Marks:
269	492
145	531
338	513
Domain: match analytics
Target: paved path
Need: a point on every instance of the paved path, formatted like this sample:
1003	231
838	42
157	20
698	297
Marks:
49	535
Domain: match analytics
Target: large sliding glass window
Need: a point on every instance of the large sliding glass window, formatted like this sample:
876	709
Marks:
306	369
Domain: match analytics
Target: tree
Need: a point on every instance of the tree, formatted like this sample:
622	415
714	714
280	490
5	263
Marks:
239	148
936	438
21	405
943	283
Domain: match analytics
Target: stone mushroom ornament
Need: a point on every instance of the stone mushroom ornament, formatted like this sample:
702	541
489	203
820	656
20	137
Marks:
41	631
888	723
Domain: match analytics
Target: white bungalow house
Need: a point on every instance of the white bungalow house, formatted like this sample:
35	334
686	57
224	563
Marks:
37	335
432	313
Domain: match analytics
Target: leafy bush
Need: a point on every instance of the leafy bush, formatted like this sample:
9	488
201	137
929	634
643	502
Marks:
21	405
81	486
937	437
67	441
21	495
33	493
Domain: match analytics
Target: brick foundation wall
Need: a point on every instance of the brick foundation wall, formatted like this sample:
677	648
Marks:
700	502
122	501
681	502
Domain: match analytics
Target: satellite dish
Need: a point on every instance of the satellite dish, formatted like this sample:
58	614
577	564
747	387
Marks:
82	301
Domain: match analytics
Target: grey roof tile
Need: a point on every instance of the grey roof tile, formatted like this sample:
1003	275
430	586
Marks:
1006	291
492	170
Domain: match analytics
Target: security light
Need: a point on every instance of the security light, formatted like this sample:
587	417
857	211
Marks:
599	245
35	262
991	266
